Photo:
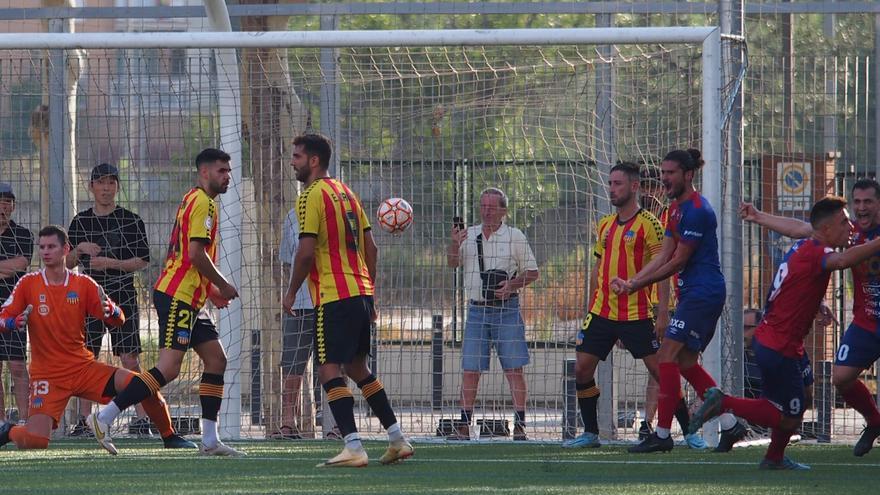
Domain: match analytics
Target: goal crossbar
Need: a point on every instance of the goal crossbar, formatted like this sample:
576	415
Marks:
339	39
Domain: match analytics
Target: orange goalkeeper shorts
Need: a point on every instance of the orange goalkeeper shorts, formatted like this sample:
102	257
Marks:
50	396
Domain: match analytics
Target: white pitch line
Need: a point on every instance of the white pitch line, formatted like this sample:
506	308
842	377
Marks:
665	462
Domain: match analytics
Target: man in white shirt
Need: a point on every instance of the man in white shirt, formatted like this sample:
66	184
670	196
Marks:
497	263
298	336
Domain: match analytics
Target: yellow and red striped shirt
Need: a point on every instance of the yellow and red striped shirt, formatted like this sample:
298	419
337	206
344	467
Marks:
622	249
197	218
330	212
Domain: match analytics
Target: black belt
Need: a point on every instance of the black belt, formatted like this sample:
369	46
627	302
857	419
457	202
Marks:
301	312
495	303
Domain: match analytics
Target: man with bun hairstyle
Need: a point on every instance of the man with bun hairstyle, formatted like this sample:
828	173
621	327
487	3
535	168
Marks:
690	248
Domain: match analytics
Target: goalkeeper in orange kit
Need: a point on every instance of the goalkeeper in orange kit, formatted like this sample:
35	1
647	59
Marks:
52	304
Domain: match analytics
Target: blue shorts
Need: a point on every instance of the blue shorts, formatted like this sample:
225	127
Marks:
498	326
694	322
784	379
859	348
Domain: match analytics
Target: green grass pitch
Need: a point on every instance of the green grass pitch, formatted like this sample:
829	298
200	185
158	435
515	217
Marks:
73	467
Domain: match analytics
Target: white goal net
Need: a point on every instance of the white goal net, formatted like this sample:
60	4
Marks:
434	125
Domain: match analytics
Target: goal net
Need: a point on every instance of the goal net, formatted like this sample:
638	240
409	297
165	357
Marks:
434	125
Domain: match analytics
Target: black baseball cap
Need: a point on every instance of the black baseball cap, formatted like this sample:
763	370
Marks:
6	191
105	170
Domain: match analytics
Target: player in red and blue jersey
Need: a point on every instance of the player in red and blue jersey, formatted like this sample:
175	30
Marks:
860	346
690	248
794	300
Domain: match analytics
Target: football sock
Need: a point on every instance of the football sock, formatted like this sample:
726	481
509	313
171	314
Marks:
141	386
341	404
588	401
759	411
698	378
374	393
670	394
394	433
859	397
157	409
210	435
108	413
778	441
353	441
211	395
24	439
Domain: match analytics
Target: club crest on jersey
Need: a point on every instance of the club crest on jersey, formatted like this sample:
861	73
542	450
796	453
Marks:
72	297
43	309
629	237
183	337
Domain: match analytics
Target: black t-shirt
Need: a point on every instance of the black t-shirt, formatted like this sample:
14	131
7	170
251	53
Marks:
121	235
15	241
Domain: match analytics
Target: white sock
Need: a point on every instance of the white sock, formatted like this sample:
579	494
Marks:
108	413
727	421
209	433
353	441
662	432
394	433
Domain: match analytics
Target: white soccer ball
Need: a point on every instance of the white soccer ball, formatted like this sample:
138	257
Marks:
395	215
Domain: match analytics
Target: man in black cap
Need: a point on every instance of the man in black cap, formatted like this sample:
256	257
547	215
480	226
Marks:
16	250
110	242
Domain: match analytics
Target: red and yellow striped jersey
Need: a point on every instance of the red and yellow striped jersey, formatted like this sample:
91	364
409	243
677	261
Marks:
622	249
330	212
196	219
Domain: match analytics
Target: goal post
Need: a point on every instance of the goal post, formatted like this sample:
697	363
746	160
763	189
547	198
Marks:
460	109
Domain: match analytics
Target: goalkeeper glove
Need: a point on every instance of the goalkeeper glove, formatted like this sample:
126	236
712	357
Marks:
19	322
111	310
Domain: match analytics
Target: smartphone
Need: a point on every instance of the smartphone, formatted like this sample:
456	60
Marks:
458	223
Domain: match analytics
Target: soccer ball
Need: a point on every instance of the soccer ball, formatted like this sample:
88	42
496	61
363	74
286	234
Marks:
394	215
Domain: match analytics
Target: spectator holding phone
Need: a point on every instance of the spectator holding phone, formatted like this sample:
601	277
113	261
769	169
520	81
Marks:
497	262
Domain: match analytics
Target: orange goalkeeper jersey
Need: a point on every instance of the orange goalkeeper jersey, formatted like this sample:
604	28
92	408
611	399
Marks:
55	326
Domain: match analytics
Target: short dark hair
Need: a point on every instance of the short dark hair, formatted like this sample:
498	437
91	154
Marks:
211	155
315	144
867	183
57	231
825	208
631	170
690	160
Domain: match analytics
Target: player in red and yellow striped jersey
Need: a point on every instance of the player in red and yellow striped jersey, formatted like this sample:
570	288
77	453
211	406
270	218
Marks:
189	278
626	241
337	252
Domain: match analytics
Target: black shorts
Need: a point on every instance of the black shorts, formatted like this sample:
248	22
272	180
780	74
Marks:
180	326
342	329
598	336
124	340
13	346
